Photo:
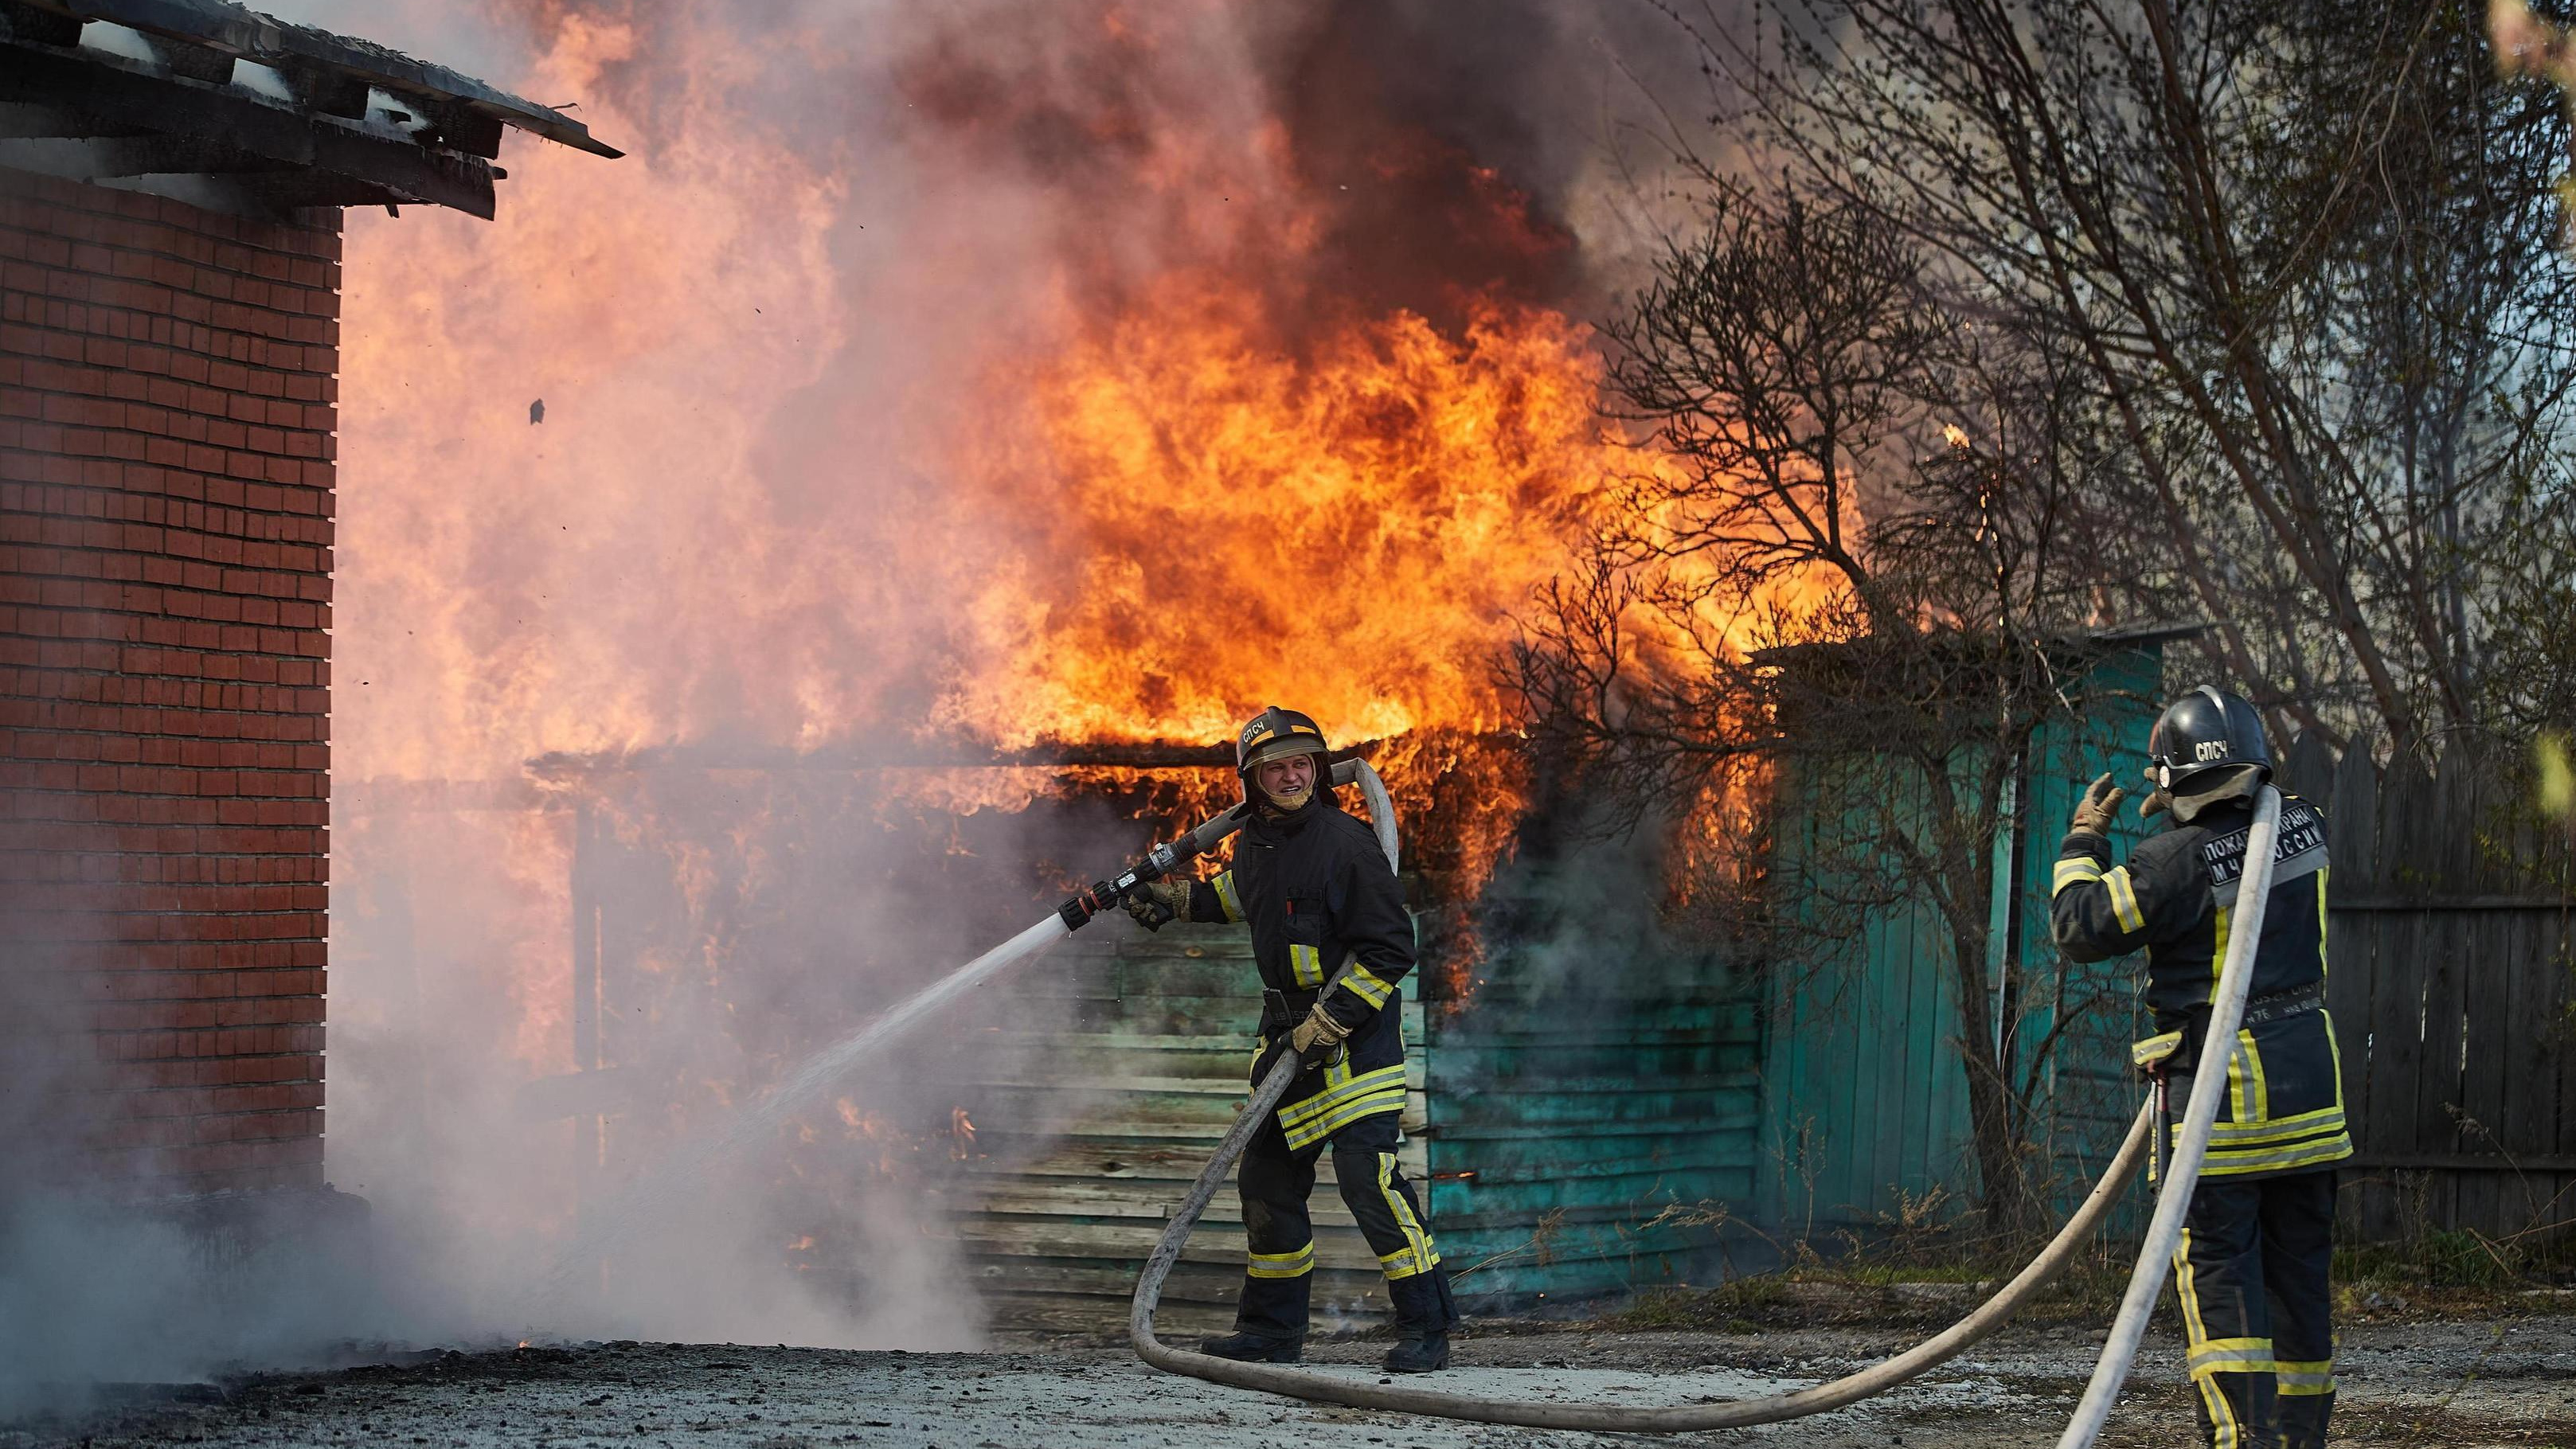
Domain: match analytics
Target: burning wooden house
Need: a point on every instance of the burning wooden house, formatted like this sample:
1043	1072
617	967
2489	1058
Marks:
1597	1106
1556	1104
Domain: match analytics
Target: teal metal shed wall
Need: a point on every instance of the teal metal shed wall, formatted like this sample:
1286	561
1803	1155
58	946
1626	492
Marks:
1865	1112
2090	1092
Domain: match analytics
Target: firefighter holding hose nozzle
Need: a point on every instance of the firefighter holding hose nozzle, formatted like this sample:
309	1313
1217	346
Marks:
1317	891
2252	1268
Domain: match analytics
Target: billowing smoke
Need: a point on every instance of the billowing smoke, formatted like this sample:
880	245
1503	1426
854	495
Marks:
989	372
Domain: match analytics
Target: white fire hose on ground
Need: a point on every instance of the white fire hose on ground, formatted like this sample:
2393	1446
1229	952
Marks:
2119	1350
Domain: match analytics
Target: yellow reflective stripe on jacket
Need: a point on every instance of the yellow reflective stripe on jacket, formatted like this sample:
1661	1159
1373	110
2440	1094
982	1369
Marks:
2323	968
2259	1091
2252	1134
1307	965
2124	900
2248	1095
1334	1095
1225	896
1302	1137
1336	1107
2072	870
2218	950
2235	1162
2334	1054
1367	985
1296	1263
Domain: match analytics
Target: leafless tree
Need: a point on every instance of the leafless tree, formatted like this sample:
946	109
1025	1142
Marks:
2300	255
1847	578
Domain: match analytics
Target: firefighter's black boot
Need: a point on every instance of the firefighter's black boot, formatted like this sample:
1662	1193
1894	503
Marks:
1424	1314
1419	1353
1254	1348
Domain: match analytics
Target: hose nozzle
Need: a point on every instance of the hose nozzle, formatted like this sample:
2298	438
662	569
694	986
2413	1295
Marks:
1161	861
1164	859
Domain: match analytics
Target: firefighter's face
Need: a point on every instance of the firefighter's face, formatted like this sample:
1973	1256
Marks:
1286	780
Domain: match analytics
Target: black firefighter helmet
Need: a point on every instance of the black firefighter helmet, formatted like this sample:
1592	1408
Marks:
2207	729
1273	734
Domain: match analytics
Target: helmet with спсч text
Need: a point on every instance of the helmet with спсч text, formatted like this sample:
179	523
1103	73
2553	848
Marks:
1275	734
2205	730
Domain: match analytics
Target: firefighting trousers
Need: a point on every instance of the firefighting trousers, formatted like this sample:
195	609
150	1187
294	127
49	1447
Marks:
2257	1308
1274	1183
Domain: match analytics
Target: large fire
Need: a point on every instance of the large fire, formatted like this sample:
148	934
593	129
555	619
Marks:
1349	531
849	446
1138	512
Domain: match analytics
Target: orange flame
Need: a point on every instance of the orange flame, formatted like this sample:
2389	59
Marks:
1346	532
1128	477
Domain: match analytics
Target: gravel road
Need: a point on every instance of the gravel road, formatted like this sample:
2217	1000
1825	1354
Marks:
2508	1381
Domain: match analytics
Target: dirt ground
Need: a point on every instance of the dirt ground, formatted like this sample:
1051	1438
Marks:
2504	1380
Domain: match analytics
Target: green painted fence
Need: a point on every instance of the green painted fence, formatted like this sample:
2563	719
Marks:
1563	1125
1865	1115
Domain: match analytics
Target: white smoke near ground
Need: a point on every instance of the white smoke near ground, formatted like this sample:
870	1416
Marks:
781	464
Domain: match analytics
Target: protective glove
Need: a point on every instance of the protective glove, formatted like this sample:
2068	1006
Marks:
1318	1038
2101	800
2156	803
1157	902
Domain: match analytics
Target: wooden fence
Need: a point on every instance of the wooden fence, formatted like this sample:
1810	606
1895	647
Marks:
2453	988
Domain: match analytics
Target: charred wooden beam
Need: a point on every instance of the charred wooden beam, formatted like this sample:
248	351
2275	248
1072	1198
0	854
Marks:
345	162
460	127
20	121
562	767
285	191
191	61
40	27
249	35
328	92
161	155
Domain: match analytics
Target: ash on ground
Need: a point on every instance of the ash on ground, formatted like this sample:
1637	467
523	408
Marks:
2497	1381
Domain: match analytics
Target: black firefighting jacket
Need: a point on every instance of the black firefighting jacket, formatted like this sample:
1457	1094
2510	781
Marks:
2175	896
1317	891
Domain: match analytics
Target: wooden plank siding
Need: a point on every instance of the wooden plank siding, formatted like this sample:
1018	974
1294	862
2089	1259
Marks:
1603	1106
2451	935
1088	1147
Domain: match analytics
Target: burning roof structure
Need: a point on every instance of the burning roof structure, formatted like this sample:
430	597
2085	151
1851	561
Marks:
223	106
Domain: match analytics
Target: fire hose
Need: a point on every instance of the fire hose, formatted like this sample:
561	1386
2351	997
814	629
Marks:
2119	1350
1533	1414
1734	1414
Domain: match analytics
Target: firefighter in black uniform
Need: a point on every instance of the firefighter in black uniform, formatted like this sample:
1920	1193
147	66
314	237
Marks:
2252	1268
1317	892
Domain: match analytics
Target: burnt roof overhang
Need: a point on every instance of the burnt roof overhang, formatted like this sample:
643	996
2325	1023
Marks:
2072	644
223	106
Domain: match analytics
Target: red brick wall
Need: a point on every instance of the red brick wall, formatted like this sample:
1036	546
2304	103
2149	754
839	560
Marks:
167	398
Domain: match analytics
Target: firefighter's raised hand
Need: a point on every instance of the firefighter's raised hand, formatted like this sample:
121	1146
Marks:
2101	801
